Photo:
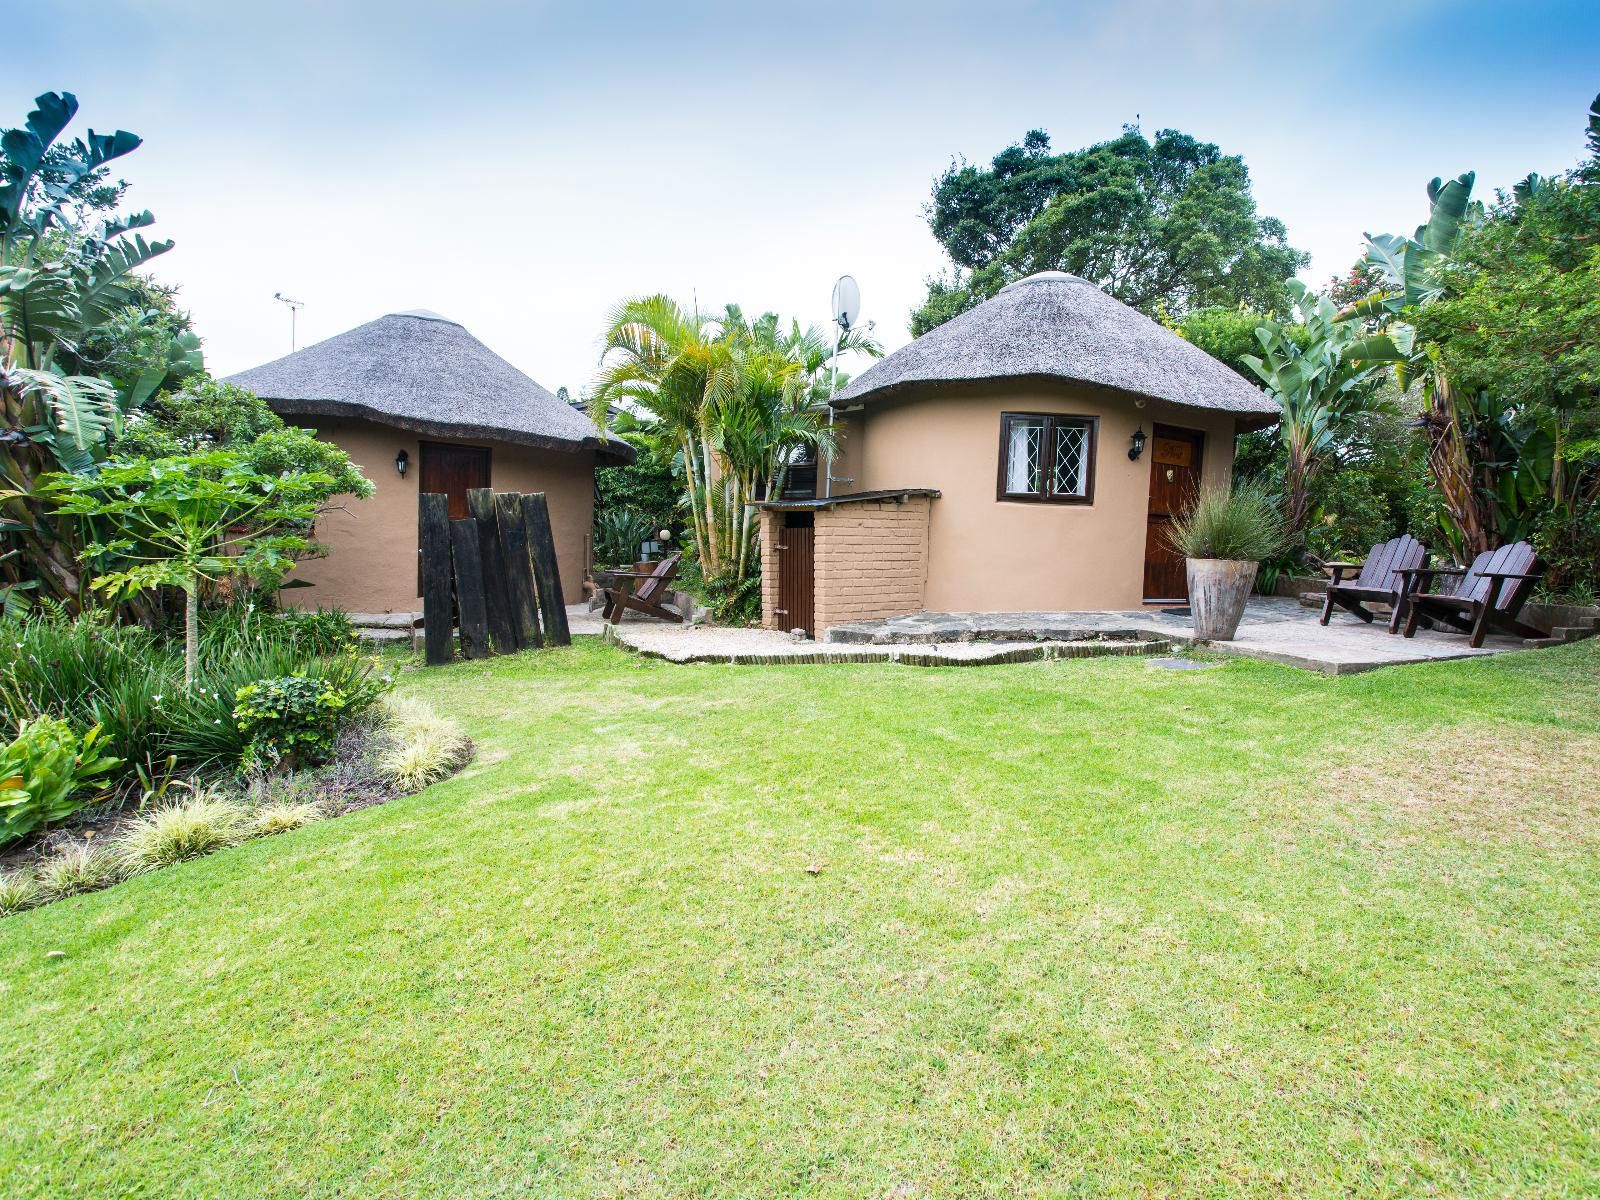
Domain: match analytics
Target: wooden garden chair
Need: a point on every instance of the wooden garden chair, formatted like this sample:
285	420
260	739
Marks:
1382	579
1487	595
646	596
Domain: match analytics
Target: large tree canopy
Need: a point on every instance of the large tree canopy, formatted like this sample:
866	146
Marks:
1163	225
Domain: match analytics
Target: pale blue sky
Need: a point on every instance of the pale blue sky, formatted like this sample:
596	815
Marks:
520	168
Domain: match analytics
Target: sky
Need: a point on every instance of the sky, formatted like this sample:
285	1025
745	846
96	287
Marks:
521	168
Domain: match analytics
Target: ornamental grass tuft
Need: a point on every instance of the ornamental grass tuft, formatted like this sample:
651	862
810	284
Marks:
281	817
198	826
79	868
18	890
423	747
1243	523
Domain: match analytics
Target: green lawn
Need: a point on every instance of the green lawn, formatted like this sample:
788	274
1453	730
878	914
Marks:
1079	928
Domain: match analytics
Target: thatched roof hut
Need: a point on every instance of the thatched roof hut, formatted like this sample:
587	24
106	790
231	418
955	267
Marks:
421	405
1057	326
420	372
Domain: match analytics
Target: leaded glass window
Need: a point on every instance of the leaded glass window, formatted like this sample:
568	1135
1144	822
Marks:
1046	457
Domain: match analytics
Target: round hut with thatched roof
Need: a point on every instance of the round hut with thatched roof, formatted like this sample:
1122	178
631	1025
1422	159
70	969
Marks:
1027	455
423	406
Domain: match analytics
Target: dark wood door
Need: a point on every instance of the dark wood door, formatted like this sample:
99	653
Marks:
1175	459
452	470
796	607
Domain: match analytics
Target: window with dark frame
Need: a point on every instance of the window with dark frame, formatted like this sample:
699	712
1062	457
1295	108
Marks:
1047	458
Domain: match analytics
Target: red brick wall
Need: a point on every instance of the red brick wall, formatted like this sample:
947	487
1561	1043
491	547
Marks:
871	561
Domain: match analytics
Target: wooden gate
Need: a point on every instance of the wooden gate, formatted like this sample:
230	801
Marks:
796	574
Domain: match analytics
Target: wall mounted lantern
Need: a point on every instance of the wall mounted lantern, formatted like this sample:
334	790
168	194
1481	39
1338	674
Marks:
401	461
1138	445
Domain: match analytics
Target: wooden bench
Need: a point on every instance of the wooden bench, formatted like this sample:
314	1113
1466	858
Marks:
1487	595
646	597
1382	580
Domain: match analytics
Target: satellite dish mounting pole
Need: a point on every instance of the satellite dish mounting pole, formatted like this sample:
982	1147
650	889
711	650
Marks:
846	308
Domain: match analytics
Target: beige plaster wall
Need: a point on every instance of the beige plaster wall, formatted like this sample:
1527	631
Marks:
372	561
989	555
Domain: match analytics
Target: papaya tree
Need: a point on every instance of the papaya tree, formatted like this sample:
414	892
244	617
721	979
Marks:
183	520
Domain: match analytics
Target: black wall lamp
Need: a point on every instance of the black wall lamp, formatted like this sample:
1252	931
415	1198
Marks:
1138	445
401	461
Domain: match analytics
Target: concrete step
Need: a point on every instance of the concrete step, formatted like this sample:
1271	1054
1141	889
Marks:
1573	633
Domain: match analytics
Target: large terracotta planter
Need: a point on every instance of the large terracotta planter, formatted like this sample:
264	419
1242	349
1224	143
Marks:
1218	590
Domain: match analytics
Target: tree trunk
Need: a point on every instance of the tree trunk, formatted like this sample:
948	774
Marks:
1451	467
191	632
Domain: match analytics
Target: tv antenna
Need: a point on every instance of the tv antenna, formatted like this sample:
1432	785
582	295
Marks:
294	308
846	311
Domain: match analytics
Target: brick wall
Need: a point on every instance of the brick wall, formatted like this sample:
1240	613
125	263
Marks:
871	560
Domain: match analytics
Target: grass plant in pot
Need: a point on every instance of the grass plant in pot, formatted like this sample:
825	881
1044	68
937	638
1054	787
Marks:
1224	538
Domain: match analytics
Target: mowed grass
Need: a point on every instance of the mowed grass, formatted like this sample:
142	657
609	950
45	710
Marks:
1079	928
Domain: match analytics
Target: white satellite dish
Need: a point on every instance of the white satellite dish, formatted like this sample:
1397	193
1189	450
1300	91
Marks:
846	303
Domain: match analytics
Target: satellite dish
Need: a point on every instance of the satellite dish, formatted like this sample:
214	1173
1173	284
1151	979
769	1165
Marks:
846	302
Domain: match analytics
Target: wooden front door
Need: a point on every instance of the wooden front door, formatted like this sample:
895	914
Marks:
1175	458
796	607
453	470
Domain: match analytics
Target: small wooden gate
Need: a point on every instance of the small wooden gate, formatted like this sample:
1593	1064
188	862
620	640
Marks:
796	574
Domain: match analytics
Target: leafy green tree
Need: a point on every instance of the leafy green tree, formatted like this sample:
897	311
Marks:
1229	334
178	521
1164	224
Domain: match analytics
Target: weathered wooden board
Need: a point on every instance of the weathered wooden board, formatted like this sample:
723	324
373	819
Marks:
438	609
546	574
496	595
519	569
469	588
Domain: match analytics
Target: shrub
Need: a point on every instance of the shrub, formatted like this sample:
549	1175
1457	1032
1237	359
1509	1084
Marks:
281	817
79	868
46	774
618	533
18	890
1242	524
290	721
422	747
199	825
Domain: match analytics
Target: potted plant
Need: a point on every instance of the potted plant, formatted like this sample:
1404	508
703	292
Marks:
1224	539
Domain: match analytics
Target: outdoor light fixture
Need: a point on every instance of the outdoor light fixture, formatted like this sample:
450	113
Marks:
401	461
1138	445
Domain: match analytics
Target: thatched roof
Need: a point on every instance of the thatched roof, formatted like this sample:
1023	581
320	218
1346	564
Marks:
1058	326
420	372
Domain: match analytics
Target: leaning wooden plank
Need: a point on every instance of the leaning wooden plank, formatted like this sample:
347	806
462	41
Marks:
496	595
433	536
469	588
546	575
519	568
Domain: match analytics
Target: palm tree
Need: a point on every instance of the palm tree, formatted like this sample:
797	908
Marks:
739	399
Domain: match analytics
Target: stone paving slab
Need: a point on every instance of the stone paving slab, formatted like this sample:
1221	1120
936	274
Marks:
727	644
1274	629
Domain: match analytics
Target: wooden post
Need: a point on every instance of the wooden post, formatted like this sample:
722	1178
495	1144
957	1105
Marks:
519	571
433	536
546	574
496	596
469	588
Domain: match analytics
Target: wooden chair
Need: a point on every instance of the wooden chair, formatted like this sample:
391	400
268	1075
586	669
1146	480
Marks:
646	597
1382	578
1481	599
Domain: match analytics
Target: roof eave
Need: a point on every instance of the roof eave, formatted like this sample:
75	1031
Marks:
889	391
607	451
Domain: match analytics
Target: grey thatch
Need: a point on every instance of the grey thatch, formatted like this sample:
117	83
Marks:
1058	326
420	372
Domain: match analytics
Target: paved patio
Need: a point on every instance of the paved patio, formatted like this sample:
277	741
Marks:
1275	629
